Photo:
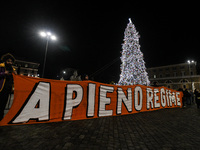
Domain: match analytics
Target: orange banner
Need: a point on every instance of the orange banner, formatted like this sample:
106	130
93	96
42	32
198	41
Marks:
38	100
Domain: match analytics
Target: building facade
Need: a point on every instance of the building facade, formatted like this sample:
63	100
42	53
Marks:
184	75
26	68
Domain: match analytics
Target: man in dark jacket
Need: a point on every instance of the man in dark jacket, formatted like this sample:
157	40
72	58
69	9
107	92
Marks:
197	98
6	80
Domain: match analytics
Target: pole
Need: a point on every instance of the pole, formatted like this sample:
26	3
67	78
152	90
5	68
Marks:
189	69
45	56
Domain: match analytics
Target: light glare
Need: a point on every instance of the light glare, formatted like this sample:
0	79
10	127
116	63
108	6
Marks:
190	61
43	34
49	33
53	37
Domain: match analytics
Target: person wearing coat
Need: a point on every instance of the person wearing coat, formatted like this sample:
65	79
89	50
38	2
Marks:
197	98
6	80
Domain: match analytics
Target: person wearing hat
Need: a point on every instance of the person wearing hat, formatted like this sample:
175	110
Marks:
6	80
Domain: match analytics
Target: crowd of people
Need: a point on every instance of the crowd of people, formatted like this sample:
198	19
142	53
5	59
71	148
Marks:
190	97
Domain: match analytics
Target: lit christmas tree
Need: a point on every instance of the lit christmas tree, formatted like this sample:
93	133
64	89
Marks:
133	70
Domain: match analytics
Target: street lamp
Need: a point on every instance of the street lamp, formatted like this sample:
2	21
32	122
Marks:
48	37
190	62
190	73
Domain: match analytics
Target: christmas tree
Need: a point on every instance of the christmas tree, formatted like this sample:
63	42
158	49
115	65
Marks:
133	70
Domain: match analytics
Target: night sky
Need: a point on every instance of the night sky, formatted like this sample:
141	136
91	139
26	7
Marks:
90	34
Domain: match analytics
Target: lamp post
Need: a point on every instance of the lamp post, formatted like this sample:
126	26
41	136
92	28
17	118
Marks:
192	83
48	37
190	62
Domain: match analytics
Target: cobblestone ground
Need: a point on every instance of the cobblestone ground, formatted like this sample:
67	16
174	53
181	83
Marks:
166	129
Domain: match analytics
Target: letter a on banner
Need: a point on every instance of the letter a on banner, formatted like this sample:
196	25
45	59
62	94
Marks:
36	106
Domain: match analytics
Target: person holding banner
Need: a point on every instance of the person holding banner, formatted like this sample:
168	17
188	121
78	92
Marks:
6	80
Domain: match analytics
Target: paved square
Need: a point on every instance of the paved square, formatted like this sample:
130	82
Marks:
166	129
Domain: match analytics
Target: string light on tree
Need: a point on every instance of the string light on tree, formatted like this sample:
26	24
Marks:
133	70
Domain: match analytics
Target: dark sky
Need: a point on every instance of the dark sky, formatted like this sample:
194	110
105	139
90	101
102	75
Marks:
90	34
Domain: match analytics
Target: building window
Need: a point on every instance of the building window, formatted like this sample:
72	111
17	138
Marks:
184	81
183	73
160	75
168	81
154	76
175	74
182	67
168	75
174	68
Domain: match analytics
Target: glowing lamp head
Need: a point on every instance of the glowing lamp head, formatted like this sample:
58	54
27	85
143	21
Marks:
48	33
53	37
43	34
